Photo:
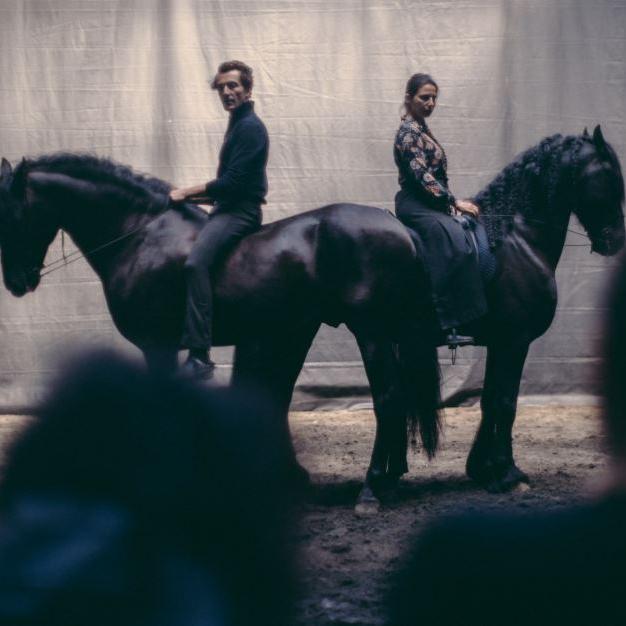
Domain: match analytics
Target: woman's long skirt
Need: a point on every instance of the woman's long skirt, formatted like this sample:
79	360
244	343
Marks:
457	286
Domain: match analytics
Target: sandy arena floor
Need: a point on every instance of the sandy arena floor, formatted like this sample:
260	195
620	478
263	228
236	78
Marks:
346	559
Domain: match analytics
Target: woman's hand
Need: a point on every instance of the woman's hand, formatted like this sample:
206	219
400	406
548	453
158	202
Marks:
467	206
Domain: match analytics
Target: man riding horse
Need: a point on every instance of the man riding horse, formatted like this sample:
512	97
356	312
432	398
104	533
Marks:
237	195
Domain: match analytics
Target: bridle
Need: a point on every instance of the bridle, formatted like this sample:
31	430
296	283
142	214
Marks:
77	255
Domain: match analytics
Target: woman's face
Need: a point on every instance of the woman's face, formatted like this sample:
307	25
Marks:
422	104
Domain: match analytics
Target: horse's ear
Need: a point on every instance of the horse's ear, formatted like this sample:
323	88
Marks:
598	137
5	169
585	133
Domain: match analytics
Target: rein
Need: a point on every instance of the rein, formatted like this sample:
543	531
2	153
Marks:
544	223
77	255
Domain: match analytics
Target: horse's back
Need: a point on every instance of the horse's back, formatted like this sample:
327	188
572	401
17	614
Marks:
294	236
338	263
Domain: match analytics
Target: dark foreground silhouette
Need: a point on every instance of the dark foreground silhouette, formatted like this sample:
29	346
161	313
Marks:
144	502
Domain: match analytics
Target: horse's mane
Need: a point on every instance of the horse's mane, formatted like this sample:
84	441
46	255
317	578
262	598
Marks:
527	185
96	170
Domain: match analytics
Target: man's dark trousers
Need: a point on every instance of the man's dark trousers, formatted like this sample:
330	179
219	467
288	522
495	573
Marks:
225	227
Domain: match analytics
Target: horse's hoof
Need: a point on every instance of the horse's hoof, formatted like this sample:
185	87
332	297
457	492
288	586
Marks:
512	480
479	475
496	475
522	487
367	504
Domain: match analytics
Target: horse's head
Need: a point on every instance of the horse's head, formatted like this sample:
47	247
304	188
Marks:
24	234
599	193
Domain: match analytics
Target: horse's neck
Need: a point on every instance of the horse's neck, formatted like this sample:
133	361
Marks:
543	207
544	235
95	222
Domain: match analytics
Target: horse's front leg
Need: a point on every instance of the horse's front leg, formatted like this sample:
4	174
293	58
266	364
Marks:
490	461
388	461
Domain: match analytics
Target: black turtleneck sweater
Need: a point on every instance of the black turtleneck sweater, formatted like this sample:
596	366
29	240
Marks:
241	172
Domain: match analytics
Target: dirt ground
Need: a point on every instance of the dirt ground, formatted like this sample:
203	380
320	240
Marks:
346	559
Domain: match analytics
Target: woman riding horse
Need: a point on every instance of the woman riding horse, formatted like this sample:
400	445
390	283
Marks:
425	205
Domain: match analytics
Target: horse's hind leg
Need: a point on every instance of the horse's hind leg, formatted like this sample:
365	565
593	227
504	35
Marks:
490	461
388	461
273	365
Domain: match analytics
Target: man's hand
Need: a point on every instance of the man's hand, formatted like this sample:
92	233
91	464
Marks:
187	193
178	195
466	206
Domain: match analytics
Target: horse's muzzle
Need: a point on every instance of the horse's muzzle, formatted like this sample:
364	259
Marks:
23	282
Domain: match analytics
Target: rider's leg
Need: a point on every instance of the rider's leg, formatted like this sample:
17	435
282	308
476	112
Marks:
455	279
215	240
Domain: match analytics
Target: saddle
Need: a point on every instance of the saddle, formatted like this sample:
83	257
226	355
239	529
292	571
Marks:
477	235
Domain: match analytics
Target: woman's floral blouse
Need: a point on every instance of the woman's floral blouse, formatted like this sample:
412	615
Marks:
422	165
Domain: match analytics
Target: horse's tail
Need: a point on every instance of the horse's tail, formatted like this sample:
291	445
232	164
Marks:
420	376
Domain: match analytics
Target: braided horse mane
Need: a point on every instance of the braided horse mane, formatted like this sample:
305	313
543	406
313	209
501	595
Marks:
530	185
122	181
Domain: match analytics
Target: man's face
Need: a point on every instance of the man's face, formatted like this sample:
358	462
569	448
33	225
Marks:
230	90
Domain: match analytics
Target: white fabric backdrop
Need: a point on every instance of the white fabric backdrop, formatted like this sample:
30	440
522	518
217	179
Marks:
128	79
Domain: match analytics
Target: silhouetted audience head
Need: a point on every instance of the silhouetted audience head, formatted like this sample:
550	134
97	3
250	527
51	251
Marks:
136	500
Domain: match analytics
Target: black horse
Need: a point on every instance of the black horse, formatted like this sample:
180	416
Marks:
343	263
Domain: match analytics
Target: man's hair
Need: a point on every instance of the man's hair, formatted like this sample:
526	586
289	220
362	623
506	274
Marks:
247	79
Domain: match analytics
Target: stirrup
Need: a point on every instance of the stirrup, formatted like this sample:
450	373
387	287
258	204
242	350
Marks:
454	341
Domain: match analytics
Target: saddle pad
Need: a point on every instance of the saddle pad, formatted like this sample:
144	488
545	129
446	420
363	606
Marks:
478	235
